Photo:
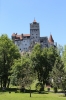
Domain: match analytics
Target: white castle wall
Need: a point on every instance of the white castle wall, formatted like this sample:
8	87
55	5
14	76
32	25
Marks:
23	45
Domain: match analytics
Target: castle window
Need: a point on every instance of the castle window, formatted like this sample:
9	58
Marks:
41	41
20	48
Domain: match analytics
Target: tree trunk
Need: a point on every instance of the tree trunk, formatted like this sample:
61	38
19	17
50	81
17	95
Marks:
1	82
55	90
65	93
30	91
43	83
8	83
4	83
4	76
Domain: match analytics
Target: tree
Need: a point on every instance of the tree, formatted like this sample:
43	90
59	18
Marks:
64	56
36	59
57	73
48	56
8	52
22	71
60	49
64	75
43	60
63	83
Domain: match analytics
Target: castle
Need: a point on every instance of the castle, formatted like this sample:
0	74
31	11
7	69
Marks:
25	42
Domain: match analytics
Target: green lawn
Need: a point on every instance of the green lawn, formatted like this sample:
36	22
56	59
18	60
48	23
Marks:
26	96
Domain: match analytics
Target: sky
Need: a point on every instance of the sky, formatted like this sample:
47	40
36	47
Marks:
16	16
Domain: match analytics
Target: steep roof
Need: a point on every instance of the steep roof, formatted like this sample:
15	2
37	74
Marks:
50	40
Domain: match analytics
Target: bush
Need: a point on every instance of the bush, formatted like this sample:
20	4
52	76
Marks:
55	89
39	87
22	89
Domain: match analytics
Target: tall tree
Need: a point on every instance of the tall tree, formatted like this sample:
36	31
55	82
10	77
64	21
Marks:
64	56
43	60
36	59
8	52
22	71
57	73
63	83
64	75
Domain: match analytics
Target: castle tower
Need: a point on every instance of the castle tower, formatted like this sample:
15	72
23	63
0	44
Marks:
34	32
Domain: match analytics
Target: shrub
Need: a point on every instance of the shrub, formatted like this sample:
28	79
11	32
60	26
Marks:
55	89
39	87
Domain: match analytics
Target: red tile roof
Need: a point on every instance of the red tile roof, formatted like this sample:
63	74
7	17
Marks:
20	37
26	34
51	39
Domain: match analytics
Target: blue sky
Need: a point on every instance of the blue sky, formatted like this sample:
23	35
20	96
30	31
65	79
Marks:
16	15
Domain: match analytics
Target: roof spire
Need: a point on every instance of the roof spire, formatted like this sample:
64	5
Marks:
51	38
50	33
34	20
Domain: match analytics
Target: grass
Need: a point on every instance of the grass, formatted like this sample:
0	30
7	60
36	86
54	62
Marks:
34	96
26	96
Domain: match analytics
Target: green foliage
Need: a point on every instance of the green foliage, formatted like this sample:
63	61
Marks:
64	57
42	61
63	83
57	73
39	87
55	89
8	52
22	71
16	67
60	49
